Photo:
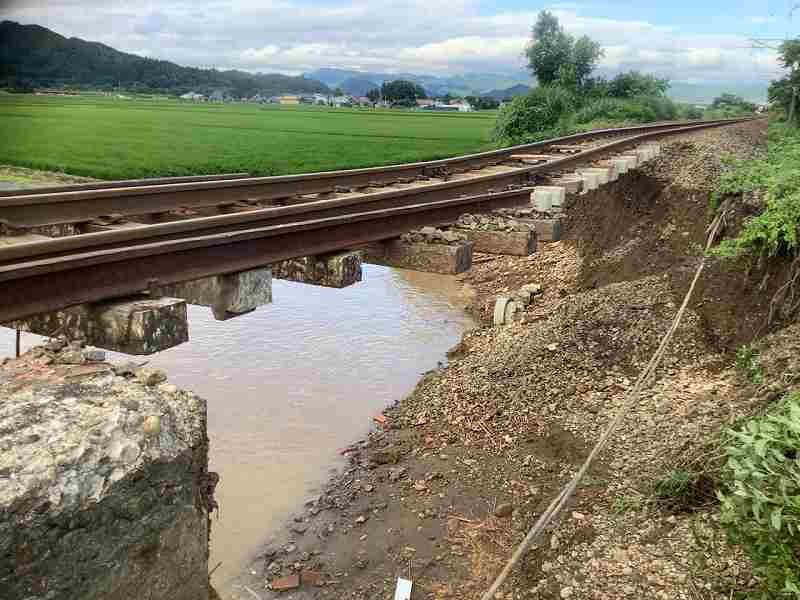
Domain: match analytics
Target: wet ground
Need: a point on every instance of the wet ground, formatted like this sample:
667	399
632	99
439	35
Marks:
291	384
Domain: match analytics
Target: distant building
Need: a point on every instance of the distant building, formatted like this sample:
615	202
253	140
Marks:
363	101
425	103
217	96
194	97
340	101
289	100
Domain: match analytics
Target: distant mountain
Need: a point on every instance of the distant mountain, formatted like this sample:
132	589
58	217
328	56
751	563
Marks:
357	86
31	55
471	84
705	93
508	93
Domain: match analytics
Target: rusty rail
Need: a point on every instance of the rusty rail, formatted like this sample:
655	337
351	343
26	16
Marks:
37	208
50	275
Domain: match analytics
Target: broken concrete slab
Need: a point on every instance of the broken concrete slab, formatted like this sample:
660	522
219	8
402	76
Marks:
103	485
138	325
338	270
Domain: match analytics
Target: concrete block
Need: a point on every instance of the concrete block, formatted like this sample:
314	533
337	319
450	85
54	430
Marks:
140	325
571	185
104	488
591	181
330	270
602	174
621	165
547	198
227	295
447	259
547	230
631	159
609	170
512	243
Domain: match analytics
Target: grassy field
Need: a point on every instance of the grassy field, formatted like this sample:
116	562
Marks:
113	138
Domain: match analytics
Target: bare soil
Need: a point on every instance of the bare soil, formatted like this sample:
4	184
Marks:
444	491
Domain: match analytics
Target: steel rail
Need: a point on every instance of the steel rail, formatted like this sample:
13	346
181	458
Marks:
122	183
35	209
322	208
51	275
52	284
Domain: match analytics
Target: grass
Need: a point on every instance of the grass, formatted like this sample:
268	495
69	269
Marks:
112	138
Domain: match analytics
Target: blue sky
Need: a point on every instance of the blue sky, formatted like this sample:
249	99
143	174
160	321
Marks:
704	41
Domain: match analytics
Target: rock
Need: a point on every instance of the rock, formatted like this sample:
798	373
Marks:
361	519
56	345
311	578
299	528
504	510
385	456
397	474
168	388
566	592
151	376
70	357
274	568
152	426
94	355
126	368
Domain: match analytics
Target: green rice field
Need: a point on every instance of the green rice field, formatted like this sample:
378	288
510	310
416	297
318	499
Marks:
111	138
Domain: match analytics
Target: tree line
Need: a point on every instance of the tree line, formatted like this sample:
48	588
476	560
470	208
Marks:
570	97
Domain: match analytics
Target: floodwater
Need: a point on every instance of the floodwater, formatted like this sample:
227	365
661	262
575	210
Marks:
295	381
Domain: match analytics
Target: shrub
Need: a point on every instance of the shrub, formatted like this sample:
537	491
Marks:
775	230
761	500
537	112
747	364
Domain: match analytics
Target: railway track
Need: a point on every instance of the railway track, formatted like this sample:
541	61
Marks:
133	235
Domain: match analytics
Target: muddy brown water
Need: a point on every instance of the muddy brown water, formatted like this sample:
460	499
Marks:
294	382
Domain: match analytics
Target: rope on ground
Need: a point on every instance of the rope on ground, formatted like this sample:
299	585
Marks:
559	501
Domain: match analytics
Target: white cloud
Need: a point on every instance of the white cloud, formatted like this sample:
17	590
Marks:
393	35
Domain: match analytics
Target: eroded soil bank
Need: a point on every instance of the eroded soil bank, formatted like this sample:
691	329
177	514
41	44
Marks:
444	491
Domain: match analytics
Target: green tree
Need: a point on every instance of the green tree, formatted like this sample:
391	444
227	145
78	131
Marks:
402	92
634	83
550	48
585	55
732	103
554	56
789	57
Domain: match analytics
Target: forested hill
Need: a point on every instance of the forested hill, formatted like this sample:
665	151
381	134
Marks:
33	56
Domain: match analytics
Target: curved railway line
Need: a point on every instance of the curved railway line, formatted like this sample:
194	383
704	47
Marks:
125	237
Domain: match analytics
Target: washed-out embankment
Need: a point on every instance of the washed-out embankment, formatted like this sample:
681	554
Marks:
450	483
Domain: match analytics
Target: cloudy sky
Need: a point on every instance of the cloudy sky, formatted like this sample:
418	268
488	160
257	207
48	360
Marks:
686	40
